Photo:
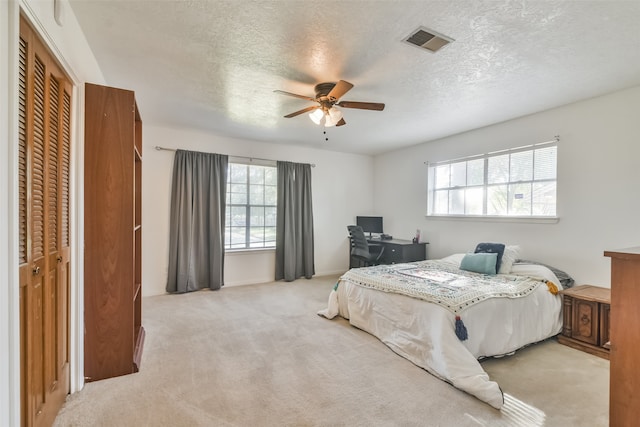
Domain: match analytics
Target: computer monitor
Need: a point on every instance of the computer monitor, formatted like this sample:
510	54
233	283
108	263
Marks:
370	224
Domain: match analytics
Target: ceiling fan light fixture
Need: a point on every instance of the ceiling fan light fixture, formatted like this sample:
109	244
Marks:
327	98
316	116
333	117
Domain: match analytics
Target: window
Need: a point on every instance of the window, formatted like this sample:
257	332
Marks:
251	206
515	183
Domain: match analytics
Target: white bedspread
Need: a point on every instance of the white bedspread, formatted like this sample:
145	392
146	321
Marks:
424	333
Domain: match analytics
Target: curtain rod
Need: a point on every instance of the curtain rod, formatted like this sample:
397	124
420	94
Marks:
158	148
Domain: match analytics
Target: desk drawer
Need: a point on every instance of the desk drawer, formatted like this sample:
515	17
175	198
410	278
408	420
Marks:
396	253
393	254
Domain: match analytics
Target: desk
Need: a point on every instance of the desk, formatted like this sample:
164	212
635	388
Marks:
397	251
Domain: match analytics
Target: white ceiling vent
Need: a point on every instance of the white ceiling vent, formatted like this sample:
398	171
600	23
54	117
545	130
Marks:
428	39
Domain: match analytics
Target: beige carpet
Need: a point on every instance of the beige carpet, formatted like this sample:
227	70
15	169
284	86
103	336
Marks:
260	356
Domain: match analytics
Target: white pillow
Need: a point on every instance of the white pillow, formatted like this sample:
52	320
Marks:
454	259
510	255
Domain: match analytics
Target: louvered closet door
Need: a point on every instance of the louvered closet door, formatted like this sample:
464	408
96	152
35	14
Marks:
44	165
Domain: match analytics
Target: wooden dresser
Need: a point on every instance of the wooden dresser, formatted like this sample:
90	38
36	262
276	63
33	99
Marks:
585	314
624	383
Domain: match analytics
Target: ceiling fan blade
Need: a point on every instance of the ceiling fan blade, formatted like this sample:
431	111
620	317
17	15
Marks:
304	110
362	105
281	92
341	122
339	90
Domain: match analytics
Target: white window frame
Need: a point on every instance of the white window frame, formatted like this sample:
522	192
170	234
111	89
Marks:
485	186
266	245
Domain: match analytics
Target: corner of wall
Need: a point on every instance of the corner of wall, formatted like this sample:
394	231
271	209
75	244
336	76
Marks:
9	294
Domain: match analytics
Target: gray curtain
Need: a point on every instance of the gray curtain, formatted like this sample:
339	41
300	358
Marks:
294	230
196	239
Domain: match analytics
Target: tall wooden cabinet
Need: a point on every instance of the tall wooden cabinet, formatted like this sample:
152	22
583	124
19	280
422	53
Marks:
114	335
624	380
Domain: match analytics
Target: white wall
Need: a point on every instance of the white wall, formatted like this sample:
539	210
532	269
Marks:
598	177
9	381
338	196
70	48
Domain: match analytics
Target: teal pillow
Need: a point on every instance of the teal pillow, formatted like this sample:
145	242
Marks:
483	263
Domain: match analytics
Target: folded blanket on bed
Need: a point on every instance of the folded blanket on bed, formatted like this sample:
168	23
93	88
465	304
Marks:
441	283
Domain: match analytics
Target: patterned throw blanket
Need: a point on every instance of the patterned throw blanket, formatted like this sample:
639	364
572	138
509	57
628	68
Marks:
441	283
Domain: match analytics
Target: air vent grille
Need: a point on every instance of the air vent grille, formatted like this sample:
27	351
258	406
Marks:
428	39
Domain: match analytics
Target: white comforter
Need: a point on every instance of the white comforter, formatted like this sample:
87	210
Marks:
424	333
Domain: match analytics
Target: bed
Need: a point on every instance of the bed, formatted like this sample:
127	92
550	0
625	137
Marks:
445	319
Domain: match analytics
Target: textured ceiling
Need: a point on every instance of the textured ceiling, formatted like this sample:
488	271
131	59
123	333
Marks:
213	65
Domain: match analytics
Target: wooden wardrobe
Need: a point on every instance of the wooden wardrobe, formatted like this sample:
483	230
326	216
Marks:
44	232
624	377
114	335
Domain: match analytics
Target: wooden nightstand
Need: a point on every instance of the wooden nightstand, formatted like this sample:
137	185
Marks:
586	319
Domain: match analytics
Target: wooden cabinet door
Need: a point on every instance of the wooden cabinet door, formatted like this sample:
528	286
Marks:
44	244
415	252
585	321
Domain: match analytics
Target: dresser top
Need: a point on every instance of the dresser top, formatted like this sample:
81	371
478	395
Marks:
628	253
589	293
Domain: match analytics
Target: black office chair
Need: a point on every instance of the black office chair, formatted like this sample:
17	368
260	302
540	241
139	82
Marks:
366	253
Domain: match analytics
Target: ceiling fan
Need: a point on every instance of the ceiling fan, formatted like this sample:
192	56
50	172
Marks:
328	98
